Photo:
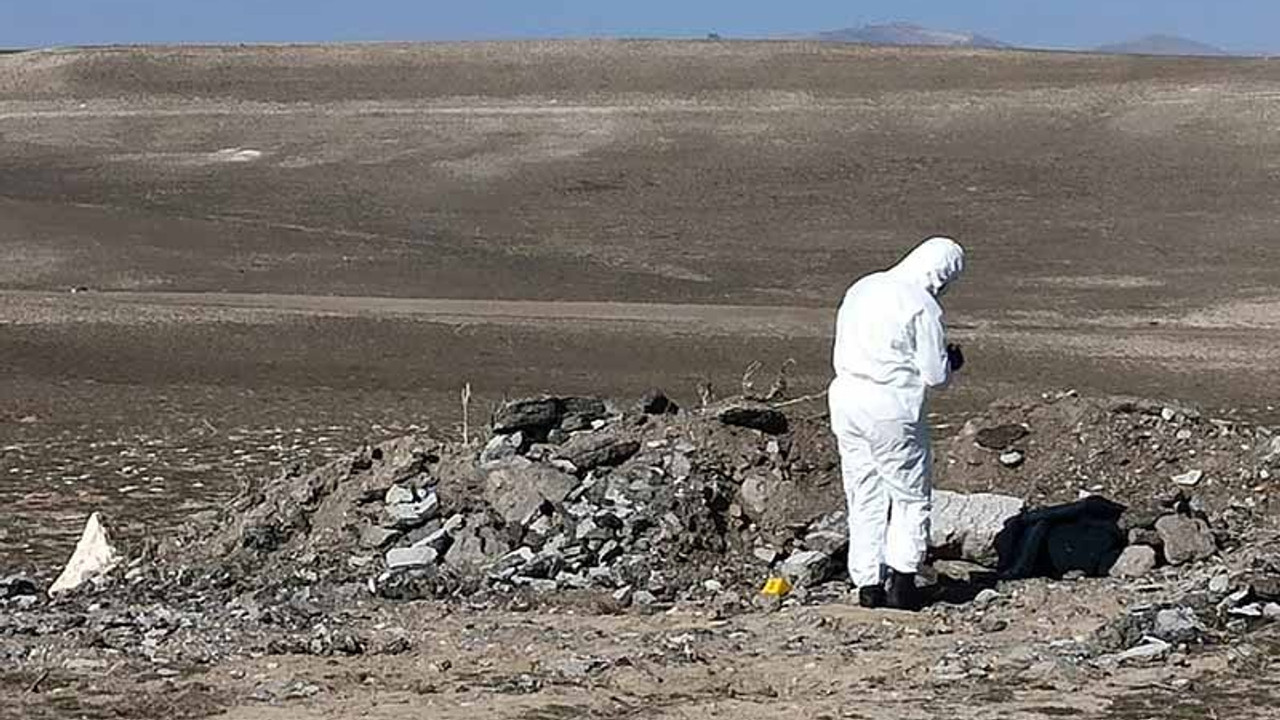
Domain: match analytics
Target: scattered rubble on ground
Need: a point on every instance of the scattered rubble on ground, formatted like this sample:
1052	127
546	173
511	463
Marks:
573	502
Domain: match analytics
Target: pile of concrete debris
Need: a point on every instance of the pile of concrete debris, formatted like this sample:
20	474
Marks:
645	505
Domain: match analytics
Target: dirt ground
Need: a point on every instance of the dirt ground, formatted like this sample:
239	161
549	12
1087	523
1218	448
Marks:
284	252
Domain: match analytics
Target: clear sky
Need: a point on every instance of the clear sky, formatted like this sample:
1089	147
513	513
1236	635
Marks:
1236	25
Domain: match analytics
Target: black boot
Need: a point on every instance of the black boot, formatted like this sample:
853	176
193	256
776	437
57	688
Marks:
871	596
903	593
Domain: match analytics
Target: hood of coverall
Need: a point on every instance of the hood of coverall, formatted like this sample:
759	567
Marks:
933	265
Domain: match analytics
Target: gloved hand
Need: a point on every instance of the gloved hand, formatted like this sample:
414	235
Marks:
955	356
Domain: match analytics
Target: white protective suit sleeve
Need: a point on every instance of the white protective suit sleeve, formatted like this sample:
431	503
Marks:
890	348
931	348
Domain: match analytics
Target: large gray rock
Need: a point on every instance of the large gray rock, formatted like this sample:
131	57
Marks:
1185	539
807	568
965	527
517	487
1136	561
592	450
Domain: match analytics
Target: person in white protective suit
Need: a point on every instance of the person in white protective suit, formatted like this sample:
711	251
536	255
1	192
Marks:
890	349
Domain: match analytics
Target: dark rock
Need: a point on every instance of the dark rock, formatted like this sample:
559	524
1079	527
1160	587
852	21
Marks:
756	417
536	416
589	451
1146	536
656	402
588	408
17	586
1001	437
1185	539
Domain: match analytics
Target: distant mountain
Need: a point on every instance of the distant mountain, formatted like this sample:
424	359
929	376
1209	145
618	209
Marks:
907	34
1161	45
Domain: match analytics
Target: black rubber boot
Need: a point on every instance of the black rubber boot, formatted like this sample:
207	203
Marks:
903	593
871	596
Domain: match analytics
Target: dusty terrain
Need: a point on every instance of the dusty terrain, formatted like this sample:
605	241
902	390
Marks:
288	251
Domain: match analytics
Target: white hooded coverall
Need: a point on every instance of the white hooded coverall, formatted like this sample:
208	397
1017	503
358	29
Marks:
890	348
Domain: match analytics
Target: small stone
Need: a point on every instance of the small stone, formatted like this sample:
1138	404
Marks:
990	624
397	494
712	586
1012	459
1176	625
376	538
643	598
1136	561
681	467
1271	611
1190	478
500	447
985	598
1183	434
1168	414
409	515
514	559
765	554
17	586
1220	584
410	557
543	585
622	595
1151	649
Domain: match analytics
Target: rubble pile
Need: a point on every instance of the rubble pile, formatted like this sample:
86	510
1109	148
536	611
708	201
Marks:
645	504
649	505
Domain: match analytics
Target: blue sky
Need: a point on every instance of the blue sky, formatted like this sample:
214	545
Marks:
1237	25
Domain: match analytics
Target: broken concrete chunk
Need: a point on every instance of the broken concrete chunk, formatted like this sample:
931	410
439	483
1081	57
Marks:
1190	478
398	494
965	527
1185	539
590	451
807	568
1136	561
411	557
502	446
376	538
406	516
756	417
516	488
532	415
93	558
